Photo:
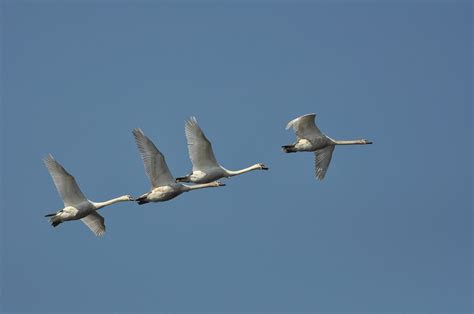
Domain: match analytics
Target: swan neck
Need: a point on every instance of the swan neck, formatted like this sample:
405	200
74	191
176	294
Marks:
99	205
351	142
199	186
231	173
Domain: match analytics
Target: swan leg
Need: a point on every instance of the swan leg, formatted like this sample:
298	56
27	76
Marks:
55	220
289	148
184	179
55	223
142	199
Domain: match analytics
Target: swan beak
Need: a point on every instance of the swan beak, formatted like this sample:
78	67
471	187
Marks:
368	142
264	168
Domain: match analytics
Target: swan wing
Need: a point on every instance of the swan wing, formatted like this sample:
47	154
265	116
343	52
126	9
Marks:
154	161
322	160
199	147
65	183
305	127
95	222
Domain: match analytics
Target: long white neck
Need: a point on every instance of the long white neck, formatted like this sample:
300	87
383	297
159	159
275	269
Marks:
99	205
201	186
232	173
353	142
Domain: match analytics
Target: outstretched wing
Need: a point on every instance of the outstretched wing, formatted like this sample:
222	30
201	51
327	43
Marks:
154	161
199	147
322	159
305	127
65	183
95	222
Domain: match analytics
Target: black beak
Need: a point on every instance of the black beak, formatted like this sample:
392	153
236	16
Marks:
368	142
264	168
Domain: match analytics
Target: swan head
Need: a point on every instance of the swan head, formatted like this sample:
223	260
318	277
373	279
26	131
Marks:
218	183
364	141
262	166
128	198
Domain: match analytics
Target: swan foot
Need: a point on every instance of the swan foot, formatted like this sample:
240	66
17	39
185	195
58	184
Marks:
289	148
183	179
142	199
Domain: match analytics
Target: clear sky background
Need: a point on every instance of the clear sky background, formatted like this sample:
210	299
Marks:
388	230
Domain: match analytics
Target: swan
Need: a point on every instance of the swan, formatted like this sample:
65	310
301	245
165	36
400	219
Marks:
310	139
205	166
77	206
163	184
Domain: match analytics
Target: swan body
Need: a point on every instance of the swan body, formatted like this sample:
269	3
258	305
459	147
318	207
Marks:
205	166
164	186
310	139
77	206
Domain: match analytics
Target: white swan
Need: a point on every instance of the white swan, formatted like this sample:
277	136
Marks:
310	139
205	165
163	184
77	206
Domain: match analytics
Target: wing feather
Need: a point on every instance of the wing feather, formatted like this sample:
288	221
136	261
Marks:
65	183
199	147
95	222
305	127
322	159
154	161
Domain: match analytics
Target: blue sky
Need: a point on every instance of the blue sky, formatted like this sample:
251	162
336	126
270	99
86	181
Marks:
388	230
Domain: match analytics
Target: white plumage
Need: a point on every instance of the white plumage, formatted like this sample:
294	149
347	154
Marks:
77	206
309	138
205	166
163	184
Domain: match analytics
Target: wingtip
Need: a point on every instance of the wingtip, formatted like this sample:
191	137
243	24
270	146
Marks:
192	120
138	134
48	157
137	131
48	160
320	174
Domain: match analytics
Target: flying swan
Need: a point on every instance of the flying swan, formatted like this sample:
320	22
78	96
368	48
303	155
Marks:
310	139
205	165
76	205
163	184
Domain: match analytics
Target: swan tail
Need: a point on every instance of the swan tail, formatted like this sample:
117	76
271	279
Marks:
289	148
